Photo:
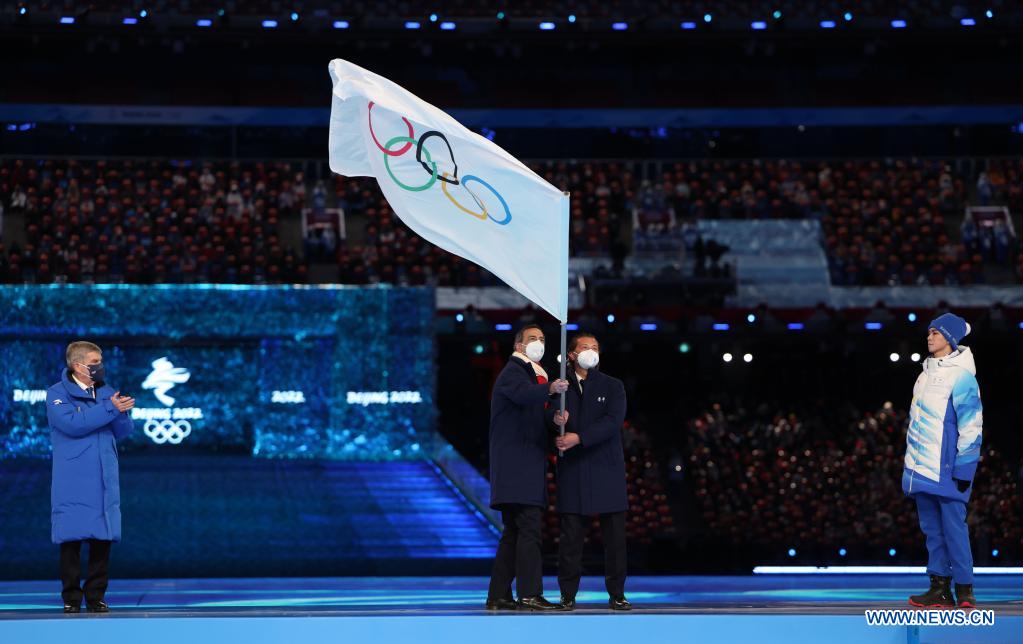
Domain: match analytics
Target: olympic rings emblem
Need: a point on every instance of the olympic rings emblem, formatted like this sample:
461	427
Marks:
425	159
167	431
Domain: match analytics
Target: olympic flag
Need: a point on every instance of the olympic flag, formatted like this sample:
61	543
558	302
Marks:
450	185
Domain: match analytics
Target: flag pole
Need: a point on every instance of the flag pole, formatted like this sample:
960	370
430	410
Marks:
564	334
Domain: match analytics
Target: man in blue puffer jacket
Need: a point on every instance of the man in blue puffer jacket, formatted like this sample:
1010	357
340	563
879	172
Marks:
942	452
86	419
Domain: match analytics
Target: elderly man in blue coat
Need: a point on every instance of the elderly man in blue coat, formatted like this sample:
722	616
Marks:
591	472
519	444
86	418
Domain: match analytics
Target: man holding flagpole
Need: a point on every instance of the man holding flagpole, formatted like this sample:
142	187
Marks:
518	471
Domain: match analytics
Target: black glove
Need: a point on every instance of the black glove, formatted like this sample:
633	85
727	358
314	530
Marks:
962	485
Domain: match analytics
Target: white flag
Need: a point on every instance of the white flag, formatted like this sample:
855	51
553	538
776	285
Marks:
451	186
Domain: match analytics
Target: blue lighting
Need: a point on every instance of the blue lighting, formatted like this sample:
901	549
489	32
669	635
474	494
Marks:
341	24
891	552
130	21
751	318
758	25
546	26
502	327
294	16
571	327
683	348
412	24
500	15
911	317
848	16
842	552
143	14
611	318
792	552
22	11
459	318
827	24
478	349
433	17
203	23
872	326
1021	325
647	327
12	127
898	24
688	25
571	18
968	22
795	326
721	326
989	13
447	26
707	17
776	15
994	553
620	26
67	20
269	24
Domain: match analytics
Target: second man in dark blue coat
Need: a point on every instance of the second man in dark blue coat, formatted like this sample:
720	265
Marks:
591	472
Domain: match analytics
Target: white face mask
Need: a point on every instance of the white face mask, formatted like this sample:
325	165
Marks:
534	351
588	359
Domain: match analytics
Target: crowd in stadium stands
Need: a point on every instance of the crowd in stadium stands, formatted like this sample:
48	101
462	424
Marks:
151	222
883	222
809	477
631	9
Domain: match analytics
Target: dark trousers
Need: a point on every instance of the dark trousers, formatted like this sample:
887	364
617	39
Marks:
518	554
570	553
71	571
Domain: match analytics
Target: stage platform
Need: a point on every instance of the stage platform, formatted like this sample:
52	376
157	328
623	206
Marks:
769	608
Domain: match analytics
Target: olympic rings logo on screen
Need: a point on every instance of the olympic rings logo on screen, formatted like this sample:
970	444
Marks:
445	178
167	431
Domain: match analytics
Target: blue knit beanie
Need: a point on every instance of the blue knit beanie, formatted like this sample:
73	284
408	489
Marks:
953	327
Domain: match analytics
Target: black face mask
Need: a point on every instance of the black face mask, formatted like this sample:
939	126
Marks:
96	371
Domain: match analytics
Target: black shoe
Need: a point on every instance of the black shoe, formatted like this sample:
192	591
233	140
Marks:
619	603
97	607
939	595
72	608
568	603
964	596
501	604
538	603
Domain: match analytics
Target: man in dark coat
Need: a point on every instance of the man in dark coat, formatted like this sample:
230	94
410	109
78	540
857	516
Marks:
591	472
86	418
519	441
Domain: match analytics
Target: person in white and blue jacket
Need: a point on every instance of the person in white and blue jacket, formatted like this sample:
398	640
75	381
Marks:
942	452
